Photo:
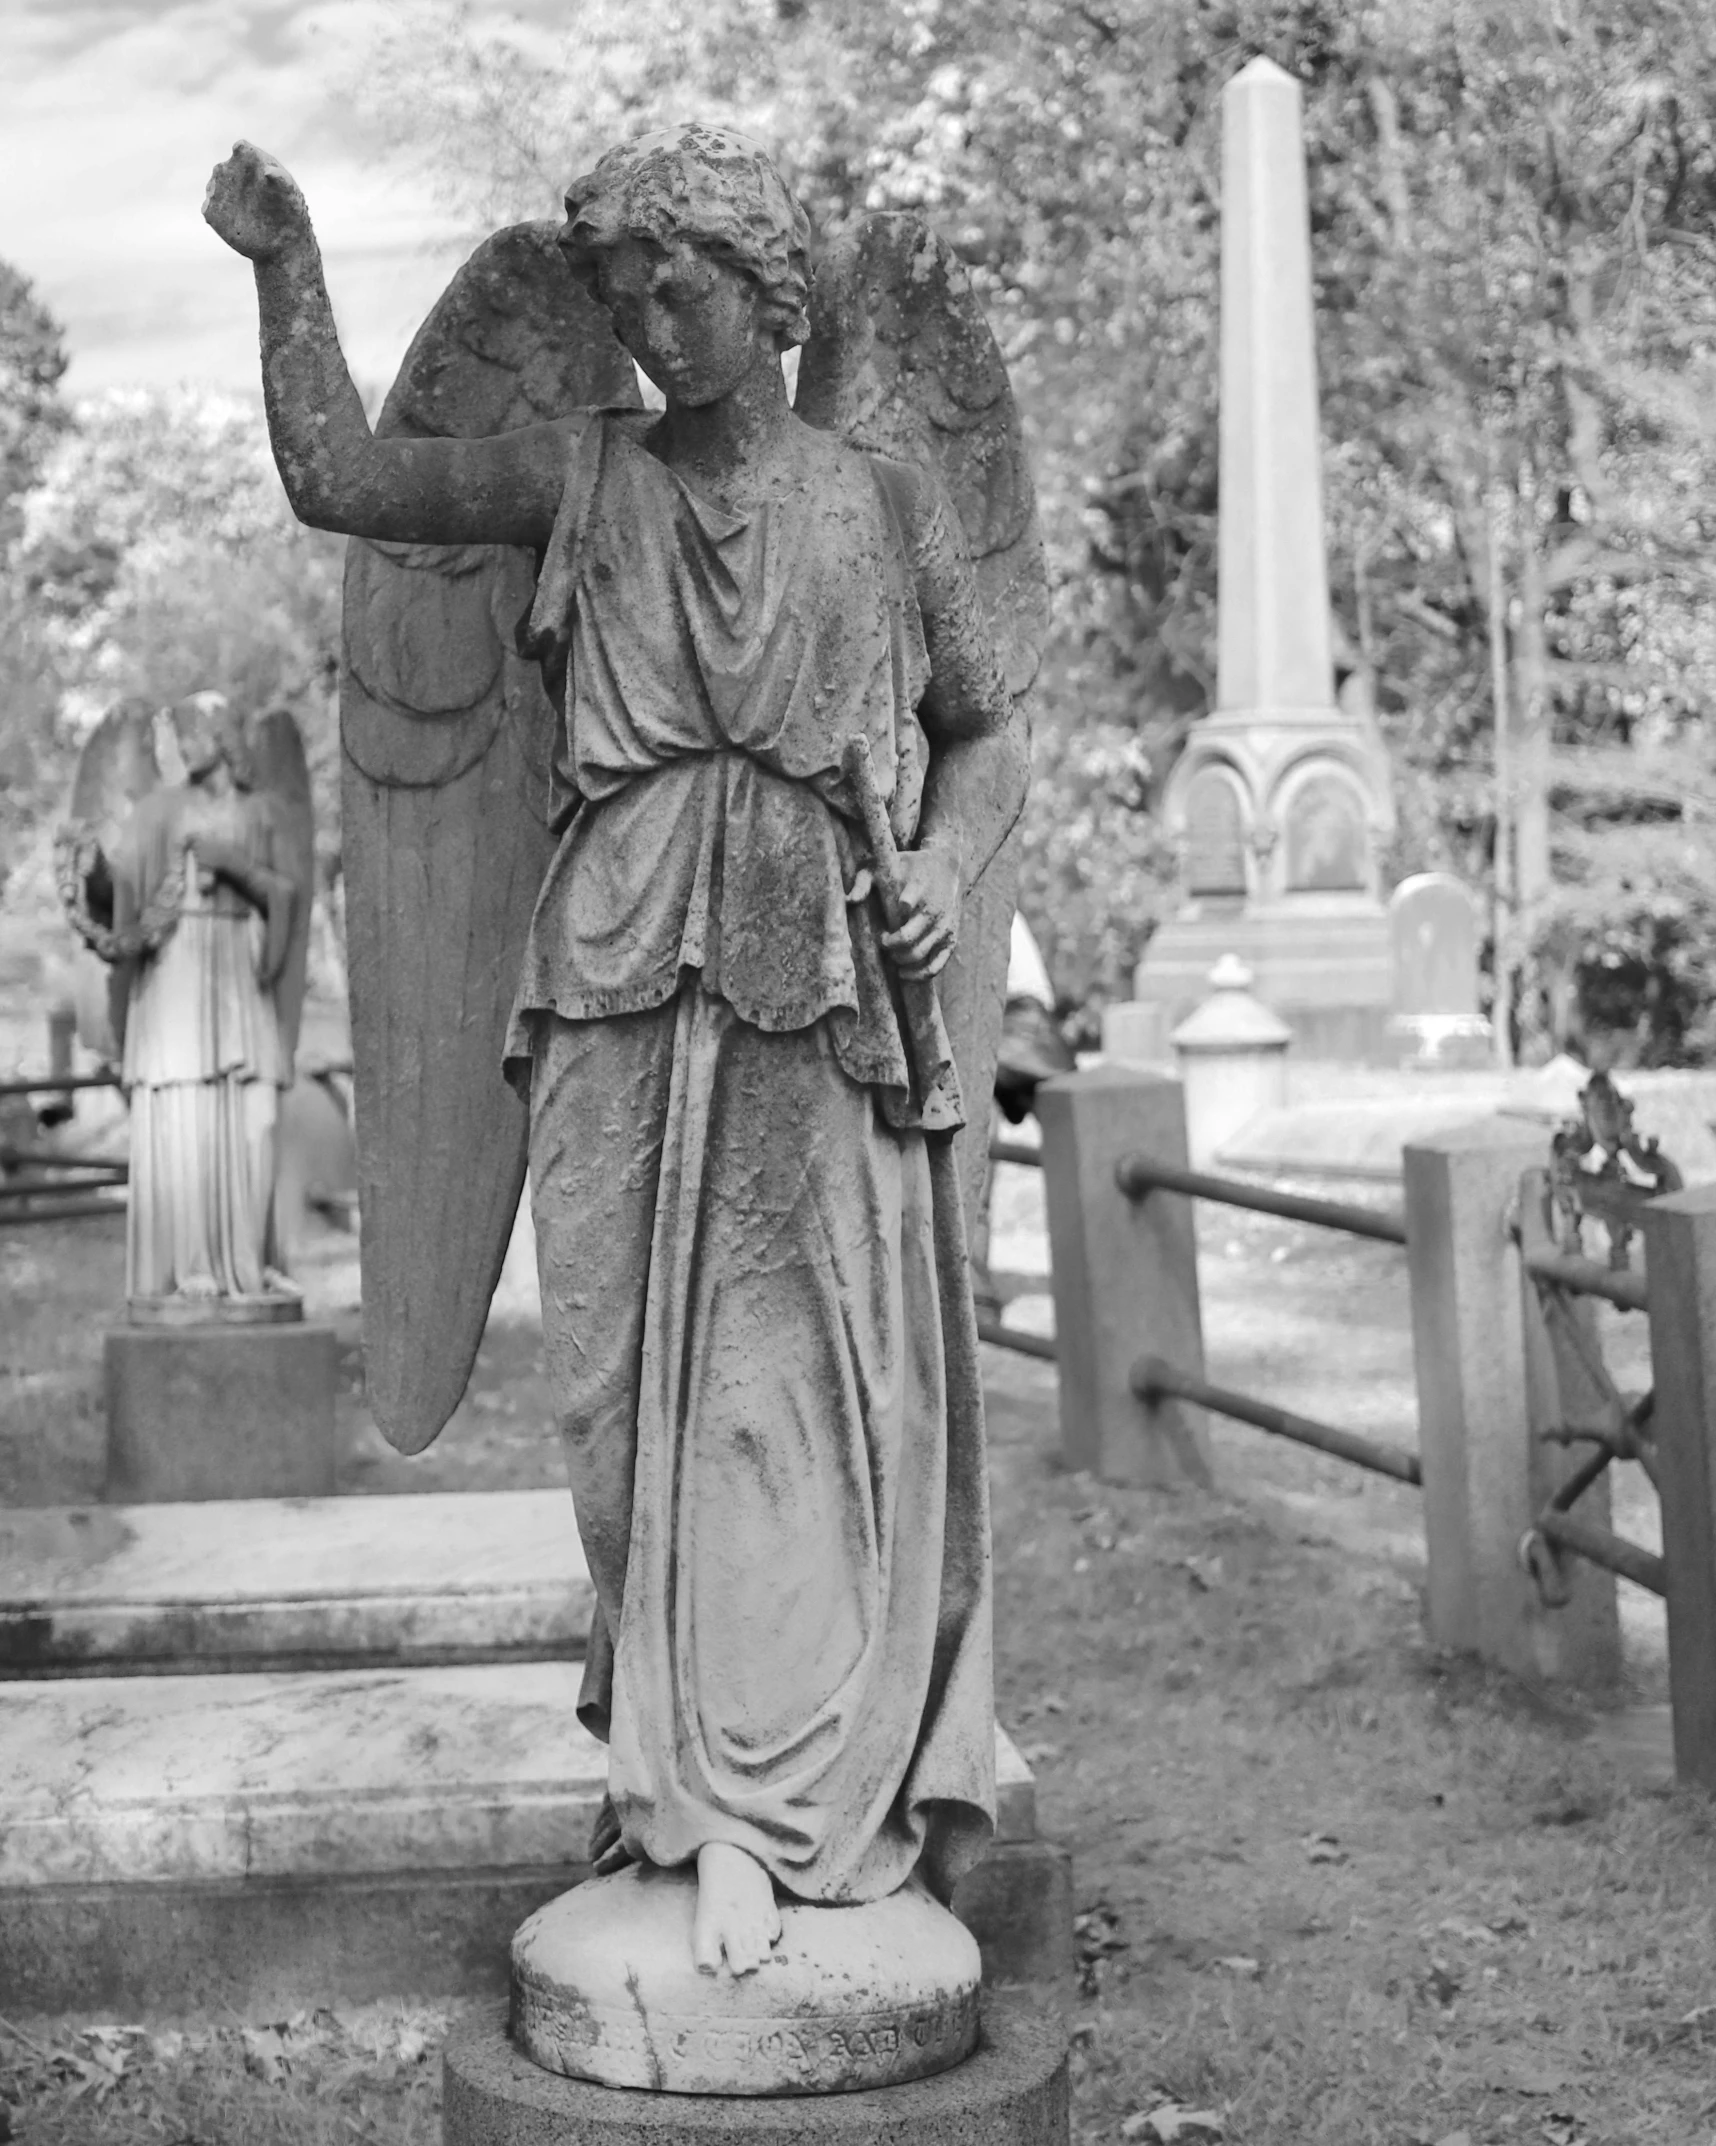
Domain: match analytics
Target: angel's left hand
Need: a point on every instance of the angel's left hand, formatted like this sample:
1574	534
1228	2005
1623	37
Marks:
929	921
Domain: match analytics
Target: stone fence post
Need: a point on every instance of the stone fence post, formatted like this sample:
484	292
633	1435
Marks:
1487	1388
1125	1275
1680	1258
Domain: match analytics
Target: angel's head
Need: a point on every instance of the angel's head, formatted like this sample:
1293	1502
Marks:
692	243
210	732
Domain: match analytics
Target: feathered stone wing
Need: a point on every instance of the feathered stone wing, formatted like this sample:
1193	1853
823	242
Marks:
116	769
902	362
448	738
282	777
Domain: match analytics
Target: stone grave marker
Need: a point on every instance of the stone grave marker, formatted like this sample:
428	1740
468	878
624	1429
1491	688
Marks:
1434	928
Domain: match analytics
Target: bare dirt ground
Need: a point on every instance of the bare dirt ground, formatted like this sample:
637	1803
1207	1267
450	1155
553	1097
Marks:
1332	1885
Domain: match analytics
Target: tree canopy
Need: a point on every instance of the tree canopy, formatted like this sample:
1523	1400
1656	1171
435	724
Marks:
1514	238
1514	244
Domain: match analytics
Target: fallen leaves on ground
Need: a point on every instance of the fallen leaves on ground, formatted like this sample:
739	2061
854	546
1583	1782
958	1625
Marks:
325	2075
1171	2125
1097	1943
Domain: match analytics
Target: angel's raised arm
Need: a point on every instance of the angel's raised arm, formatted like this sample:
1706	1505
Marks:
980	748
337	474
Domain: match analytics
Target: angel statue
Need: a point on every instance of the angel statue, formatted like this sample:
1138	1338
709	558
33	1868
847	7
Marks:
197	894
659	904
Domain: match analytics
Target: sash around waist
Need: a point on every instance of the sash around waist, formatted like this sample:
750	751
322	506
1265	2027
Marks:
711	861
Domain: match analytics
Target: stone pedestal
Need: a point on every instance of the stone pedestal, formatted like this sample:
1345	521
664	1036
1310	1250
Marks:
220	1412
1233	1062
1012	2091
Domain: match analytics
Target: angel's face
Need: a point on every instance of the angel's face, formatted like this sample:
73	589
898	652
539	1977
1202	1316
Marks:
199	741
692	322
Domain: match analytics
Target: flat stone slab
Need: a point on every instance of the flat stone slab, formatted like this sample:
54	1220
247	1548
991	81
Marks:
166	1779
1362	1134
292	1583
331	1774
1013	2091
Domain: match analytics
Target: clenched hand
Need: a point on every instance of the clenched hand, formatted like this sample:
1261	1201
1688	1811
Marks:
254	204
929	913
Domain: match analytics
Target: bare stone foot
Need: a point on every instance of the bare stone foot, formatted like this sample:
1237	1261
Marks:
737	1918
200	1288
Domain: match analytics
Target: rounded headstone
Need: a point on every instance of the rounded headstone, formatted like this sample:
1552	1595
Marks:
604	1988
1011	2091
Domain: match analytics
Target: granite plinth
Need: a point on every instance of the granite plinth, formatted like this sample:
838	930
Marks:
1012	2091
220	1412
605	1988
292	1583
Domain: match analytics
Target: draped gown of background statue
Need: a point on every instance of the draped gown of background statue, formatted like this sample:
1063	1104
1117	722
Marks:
206	984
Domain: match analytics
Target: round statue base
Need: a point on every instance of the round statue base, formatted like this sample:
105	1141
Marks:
279	1307
1011	2091
604	1988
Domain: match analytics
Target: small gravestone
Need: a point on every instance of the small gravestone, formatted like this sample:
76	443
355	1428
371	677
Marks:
1434	928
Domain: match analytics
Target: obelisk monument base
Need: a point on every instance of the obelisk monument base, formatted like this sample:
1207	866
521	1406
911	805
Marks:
1324	969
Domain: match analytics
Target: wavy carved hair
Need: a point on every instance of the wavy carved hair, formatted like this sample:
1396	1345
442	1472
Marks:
716	190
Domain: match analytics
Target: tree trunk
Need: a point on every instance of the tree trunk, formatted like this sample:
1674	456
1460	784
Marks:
1533	725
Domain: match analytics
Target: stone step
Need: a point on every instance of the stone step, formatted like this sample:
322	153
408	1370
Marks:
291	1583
319	1773
259	1838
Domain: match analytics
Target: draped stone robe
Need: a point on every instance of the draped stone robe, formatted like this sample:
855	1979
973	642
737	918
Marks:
752	1256
203	1058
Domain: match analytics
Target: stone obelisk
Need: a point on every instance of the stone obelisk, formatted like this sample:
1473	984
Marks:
1279	805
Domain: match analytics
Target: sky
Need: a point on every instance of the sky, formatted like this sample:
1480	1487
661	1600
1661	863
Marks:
113	112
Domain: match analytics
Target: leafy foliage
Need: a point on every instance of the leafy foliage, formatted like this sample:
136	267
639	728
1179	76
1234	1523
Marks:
157	555
1514	235
32	363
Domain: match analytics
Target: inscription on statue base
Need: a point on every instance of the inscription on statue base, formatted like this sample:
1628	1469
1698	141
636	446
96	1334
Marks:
852	1997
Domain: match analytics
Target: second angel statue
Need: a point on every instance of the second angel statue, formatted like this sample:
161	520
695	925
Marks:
659	906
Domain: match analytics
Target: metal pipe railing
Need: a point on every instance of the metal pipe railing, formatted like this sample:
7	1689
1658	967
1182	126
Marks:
1586	1278
1009	1337
59	1083
1137	1175
1152	1378
14	1216
1601	1546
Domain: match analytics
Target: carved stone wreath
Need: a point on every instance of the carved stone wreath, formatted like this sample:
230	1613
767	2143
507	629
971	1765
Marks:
76	855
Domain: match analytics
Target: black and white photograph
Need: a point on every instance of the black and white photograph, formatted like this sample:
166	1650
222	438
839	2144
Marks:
857	1073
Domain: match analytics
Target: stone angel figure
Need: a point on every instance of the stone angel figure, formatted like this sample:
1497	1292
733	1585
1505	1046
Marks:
656	898
197	895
